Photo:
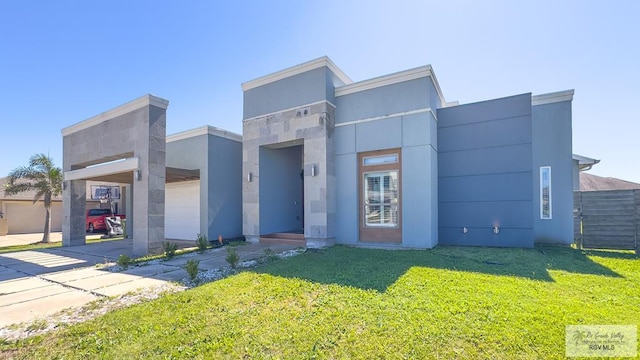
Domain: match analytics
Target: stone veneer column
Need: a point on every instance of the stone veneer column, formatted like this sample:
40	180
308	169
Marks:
74	200
319	190
148	192
250	185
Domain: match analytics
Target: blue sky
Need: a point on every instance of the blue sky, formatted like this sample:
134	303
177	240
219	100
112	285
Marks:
62	62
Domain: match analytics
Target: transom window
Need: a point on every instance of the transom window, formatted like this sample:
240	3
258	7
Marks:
380	160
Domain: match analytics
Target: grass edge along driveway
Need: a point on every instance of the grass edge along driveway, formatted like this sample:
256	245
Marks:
449	302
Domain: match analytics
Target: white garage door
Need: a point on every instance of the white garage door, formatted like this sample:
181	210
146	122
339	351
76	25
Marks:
25	217
182	210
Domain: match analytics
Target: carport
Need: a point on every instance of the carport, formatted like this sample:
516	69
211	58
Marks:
126	145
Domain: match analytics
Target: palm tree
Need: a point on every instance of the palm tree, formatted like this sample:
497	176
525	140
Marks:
43	177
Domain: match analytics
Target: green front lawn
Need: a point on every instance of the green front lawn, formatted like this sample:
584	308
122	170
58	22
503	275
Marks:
450	302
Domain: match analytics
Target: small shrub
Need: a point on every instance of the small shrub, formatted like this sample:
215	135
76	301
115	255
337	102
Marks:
232	257
202	242
91	306
124	261
270	254
37	324
192	268
170	249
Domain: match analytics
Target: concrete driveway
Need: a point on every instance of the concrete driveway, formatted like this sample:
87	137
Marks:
38	283
26	239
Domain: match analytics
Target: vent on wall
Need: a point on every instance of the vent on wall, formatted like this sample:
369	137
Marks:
303	111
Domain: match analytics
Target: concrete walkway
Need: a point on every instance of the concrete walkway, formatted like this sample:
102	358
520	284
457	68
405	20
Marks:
38	283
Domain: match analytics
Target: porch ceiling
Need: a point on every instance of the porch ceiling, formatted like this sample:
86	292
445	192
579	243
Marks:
178	175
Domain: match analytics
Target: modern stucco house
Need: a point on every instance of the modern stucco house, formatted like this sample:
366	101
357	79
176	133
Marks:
325	160
387	161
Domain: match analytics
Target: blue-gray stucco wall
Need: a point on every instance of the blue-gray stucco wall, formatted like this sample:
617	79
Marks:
280	189
224	216
485	173
330	86
435	102
220	163
384	100
301	89
414	133
347	208
552	147
181	154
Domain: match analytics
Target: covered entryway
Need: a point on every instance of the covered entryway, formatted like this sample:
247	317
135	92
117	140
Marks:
182	195
281	193
289	181
182	210
127	142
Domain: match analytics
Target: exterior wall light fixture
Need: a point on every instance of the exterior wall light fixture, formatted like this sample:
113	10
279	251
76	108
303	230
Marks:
465	230
136	175
496	230
249	177
313	170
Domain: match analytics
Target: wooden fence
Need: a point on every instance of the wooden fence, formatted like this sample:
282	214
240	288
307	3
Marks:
607	219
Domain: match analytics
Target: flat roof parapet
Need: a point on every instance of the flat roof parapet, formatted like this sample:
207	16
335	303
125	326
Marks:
397	77
205	130
145	100
553	97
323	61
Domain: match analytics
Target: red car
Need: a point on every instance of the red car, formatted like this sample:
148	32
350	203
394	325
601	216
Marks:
94	221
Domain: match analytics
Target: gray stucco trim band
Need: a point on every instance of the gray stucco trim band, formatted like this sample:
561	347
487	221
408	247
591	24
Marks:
404	113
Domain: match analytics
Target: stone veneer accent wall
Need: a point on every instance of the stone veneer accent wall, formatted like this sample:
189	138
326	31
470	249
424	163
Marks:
136	129
292	127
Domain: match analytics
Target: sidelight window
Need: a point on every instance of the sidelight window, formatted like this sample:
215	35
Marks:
545	192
